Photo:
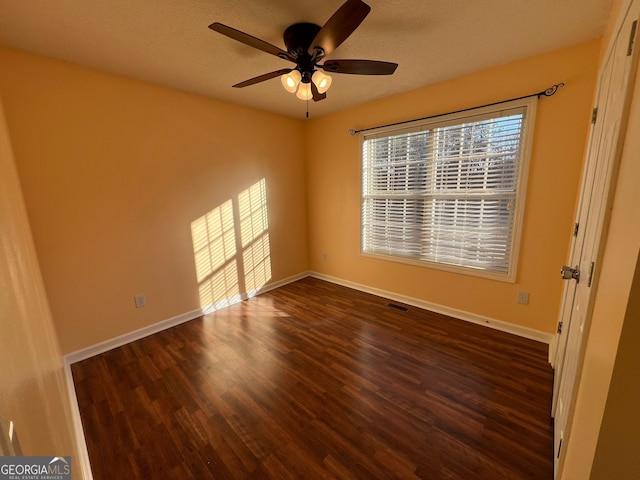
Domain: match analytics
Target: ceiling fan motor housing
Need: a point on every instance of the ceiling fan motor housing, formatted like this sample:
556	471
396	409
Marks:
298	38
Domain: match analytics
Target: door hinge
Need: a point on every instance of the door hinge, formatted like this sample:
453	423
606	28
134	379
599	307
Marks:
632	38
559	328
569	273
594	115
591	268
576	227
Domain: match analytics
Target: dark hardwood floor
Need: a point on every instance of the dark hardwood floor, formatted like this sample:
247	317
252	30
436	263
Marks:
314	380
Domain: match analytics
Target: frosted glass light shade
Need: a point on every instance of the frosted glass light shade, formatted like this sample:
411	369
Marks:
322	81
291	80
304	91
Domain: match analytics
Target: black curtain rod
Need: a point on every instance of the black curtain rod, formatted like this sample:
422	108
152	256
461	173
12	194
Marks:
545	93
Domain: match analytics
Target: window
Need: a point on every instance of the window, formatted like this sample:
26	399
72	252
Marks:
449	193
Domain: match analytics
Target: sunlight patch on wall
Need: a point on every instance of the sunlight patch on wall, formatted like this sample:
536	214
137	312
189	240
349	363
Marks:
257	265
254	235
231	249
214	249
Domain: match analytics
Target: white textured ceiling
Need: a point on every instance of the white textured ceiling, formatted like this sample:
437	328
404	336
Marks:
167	41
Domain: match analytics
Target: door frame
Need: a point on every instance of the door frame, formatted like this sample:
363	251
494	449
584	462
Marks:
595	163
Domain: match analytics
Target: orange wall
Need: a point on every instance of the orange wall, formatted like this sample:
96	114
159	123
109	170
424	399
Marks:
560	136
114	172
616	453
33	393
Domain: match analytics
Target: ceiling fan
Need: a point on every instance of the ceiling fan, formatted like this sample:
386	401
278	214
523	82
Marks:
308	44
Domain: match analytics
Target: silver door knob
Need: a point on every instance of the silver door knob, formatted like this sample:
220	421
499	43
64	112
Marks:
568	273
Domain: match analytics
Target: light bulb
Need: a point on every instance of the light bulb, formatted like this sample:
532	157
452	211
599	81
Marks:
322	81
291	80
304	91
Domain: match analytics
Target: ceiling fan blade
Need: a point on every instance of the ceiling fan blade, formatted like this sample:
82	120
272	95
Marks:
338	28
317	96
262	78
250	40
359	67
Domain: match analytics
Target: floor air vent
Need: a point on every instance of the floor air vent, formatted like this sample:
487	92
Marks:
397	307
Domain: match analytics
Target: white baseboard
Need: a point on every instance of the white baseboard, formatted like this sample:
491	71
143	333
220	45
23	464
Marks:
83	462
507	327
120	340
129	337
553	349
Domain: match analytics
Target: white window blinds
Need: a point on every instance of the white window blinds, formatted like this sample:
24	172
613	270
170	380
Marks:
448	192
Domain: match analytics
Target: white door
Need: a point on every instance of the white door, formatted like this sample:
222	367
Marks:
595	199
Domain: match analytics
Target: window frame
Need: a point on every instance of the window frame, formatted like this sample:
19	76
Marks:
458	118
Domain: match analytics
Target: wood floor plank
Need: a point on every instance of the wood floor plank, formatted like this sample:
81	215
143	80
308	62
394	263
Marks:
314	380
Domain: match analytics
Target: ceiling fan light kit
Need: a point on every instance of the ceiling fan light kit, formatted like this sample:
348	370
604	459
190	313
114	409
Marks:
307	45
304	91
293	83
322	81
291	80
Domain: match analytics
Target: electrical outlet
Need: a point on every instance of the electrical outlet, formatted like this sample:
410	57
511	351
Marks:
325	257
523	297
140	300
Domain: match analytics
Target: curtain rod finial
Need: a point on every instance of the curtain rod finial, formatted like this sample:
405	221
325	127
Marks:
551	90
352	132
